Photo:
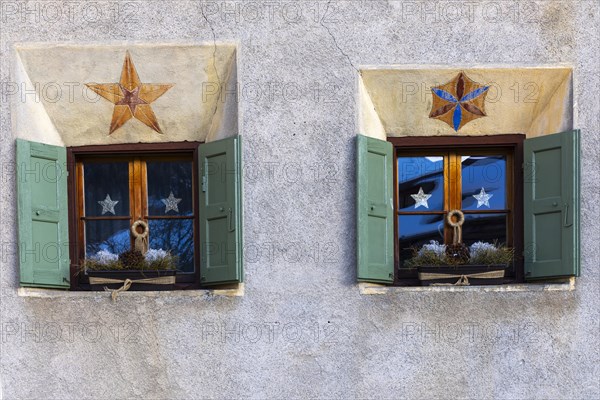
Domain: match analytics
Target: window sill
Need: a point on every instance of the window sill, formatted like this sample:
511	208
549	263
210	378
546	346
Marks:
374	288
230	291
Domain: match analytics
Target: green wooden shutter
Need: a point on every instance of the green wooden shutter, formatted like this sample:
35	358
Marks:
375	211
221	211
551	205
42	215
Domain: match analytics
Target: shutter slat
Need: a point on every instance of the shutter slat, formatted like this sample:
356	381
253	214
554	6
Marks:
375	213
42	215
551	205
221	212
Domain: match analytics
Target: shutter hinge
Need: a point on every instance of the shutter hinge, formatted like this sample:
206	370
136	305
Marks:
204	183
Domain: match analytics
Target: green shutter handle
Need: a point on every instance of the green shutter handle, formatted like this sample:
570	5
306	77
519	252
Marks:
554	204
567	216
221	209
37	212
230	219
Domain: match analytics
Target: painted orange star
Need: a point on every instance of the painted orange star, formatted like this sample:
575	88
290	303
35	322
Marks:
131	97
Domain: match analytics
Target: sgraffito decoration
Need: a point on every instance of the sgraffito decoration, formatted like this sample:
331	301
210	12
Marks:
459	101
131	97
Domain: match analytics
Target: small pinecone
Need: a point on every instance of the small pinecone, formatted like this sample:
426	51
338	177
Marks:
132	259
458	253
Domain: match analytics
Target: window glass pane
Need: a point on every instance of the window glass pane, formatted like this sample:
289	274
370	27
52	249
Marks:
420	183
106	187
170	188
483	182
175	236
107	235
416	230
489	228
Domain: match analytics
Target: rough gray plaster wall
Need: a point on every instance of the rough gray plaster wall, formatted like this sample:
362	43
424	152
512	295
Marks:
302	329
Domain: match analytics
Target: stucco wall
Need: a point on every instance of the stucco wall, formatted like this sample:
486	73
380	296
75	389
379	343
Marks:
302	328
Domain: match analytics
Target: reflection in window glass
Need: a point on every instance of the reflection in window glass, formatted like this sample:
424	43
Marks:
170	188
102	180
416	230
420	183
483	182
107	235
489	228
175	236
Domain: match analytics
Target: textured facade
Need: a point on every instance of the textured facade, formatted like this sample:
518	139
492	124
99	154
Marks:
301	326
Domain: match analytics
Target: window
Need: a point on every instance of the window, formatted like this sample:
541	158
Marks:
522	193
75	204
475	177
115	191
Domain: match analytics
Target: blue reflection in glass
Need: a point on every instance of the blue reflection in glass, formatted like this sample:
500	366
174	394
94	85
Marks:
487	172
107	235
175	236
416	230
490	228
101	179
165	177
415	173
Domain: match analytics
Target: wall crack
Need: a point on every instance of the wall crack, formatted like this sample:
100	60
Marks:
333	37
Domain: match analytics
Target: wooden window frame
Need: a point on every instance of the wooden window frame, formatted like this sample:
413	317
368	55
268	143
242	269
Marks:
130	151
510	144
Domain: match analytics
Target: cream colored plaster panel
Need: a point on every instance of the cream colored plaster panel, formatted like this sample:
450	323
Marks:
233	290
533	100
30	119
369	122
189	111
224	119
367	288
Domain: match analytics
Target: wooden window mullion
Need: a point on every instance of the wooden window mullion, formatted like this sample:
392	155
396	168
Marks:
447	195
456	182
135	192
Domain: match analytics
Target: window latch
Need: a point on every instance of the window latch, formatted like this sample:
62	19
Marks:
230	220
567	224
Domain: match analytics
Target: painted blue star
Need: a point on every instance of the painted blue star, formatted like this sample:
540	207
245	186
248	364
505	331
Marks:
459	101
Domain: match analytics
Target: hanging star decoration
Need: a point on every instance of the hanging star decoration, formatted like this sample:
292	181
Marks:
108	205
483	198
459	101
171	203
131	97
421	198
